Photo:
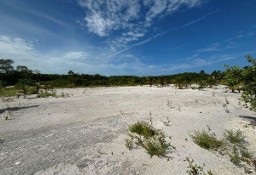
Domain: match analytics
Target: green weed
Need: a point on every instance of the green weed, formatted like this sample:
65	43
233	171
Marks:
207	140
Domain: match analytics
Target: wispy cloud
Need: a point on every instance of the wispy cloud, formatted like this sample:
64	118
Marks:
24	53
26	9
161	34
179	47
128	20
231	45
242	35
211	48
195	61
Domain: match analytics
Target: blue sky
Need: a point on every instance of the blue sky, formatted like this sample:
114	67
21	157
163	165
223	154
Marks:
121	37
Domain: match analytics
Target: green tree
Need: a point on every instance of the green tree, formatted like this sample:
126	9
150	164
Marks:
233	77
217	76
23	87
6	66
21	68
249	79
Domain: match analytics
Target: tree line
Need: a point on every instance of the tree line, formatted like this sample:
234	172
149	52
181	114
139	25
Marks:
235	78
10	75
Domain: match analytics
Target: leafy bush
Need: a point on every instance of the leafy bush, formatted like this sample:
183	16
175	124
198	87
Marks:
207	140
235	137
249	79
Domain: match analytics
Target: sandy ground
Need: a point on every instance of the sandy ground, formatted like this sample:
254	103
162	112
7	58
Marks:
85	133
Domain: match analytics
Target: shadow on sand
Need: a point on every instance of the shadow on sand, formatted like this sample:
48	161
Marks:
17	108
251	119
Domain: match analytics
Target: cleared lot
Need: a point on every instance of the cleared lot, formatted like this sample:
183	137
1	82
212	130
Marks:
85	132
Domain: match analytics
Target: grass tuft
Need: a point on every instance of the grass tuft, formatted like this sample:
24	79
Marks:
155	147
207	140
143	129
152	140
235	137
235	156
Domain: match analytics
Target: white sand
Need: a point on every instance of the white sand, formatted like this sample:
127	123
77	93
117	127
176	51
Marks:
79	134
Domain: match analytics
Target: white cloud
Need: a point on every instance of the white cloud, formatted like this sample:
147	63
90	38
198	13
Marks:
97	24
24	53
15	46
103	17
106	17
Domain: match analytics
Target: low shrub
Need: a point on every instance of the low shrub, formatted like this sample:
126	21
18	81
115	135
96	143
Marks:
246	154
233	144
235	137
143	129
157	145
207	140
152	140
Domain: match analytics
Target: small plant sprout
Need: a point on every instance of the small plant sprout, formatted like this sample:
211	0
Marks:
129	143
194	169
150	118
169	104
167	122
